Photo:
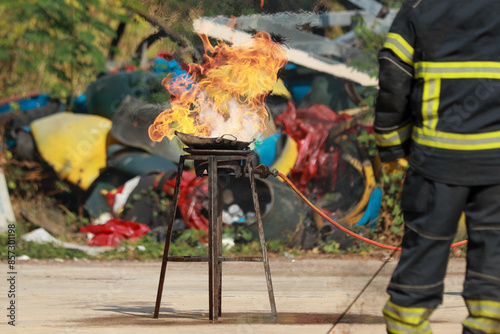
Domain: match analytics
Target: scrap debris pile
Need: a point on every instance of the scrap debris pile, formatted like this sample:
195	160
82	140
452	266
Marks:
103	148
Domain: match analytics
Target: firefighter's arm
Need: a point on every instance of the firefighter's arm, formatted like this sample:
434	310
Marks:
393	118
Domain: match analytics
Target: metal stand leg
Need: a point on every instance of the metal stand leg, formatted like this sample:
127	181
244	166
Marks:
263	247
219	244
168	237
213	292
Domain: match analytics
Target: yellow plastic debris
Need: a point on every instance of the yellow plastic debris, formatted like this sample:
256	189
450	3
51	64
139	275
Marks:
355	215
73	144
286	161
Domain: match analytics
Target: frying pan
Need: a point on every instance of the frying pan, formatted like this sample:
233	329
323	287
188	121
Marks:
212	143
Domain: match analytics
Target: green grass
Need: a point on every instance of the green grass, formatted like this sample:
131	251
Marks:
187	243
39	251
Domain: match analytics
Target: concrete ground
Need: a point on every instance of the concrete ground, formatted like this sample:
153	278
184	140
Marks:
119	297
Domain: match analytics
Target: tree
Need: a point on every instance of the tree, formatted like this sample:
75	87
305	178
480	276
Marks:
371	41
55	46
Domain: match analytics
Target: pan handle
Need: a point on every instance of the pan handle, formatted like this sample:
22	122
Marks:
219	139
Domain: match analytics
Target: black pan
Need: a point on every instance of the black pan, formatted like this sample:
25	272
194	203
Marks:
212	143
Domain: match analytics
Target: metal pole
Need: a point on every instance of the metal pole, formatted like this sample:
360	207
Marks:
219	244
212	240
261	237
173	210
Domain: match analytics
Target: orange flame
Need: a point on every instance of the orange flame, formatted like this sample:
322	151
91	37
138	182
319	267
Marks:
225	94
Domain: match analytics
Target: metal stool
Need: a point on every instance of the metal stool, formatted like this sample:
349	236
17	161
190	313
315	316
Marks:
211	163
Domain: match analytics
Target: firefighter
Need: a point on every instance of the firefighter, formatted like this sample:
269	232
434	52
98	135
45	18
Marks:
439	106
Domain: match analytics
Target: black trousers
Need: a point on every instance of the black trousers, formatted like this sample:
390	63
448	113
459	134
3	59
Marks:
431	212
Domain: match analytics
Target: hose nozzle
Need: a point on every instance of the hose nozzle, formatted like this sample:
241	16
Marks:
265	171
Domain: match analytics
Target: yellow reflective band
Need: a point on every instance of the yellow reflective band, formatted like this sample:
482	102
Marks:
484	325
458	70
484	308
456	141
430	102
414	316
406	320
395	137
397	328
402	329
400	47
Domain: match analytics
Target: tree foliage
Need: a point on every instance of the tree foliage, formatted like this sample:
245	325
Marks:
371	42
55	46
178	14
60	46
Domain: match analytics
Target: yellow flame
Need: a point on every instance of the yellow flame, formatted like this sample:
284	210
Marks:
225	94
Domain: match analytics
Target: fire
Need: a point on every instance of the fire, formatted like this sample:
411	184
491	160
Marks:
225	94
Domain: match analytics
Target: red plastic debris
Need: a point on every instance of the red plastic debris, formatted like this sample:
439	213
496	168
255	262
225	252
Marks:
315	170
130	68
165	55
109	196
193	197
106	239
114	231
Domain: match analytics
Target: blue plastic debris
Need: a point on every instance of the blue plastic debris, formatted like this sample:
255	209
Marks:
161	65
80	104
266	149
26	104
370	217
180	77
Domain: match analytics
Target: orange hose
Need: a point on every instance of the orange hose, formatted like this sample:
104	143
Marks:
342	228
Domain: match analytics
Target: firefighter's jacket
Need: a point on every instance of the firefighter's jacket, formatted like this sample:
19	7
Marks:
439	92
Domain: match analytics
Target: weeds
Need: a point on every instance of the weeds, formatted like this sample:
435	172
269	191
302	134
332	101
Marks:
40	251
332	247
391	224
186	243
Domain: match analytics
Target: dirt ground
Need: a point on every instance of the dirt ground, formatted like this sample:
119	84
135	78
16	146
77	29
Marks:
111	297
